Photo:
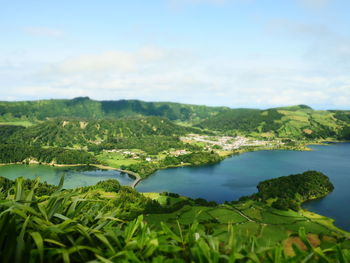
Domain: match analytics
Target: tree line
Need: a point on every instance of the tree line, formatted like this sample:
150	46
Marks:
289	192
19	153
196	158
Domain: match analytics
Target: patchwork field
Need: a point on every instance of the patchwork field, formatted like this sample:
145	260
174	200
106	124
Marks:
268	226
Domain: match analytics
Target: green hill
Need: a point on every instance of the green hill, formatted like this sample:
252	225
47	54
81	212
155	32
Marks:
71	133
289	192
84	107
8	130
297	122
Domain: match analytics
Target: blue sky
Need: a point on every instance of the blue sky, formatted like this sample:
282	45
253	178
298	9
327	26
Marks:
237	53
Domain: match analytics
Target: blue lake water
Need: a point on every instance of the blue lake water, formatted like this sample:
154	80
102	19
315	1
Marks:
74	176
238	176
228	180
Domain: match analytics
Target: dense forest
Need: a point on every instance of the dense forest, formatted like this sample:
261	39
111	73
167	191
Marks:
6	131
83	107
20	153
79	133
195	158
150	144
290	191
243	119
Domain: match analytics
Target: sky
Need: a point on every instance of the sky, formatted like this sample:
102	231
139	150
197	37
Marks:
236	53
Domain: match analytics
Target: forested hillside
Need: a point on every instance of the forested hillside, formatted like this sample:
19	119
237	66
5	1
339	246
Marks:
78	133
297	122
22	153
289	192
121	134
6	131
83	107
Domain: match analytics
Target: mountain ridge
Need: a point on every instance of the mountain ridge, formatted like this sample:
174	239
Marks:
296	122
84	107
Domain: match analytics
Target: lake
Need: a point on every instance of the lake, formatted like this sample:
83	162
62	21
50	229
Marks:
74	176
228	180
239	175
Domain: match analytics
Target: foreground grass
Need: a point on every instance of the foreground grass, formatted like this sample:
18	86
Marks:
269	226
87	225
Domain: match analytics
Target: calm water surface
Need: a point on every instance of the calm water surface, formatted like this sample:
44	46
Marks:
74	176
232	178
239	175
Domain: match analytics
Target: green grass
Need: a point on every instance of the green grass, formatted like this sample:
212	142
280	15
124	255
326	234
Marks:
169	201
247	230
155	219
271	235
119	163
17	123
198	213
310	227
84	225
254	213
115	160
288	213
225	216
271	218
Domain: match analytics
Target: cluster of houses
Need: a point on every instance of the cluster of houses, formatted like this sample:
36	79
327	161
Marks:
226	143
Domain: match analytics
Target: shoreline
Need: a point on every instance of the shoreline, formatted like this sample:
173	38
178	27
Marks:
46	164
138	178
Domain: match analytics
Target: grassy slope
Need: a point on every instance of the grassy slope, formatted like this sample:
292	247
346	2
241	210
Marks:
269	226
93	223
82	133
250	218
296	122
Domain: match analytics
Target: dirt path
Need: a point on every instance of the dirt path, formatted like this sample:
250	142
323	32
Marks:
242	214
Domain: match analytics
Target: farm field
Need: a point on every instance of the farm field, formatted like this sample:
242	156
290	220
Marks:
249	219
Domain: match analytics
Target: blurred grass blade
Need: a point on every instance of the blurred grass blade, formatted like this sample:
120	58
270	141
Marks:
39	243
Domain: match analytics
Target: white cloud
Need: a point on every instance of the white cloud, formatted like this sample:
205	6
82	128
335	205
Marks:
323	46
110	61
45	31
157	74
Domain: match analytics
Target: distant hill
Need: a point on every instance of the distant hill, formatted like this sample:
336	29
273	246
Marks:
297	122
72	132
84	107
286	122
